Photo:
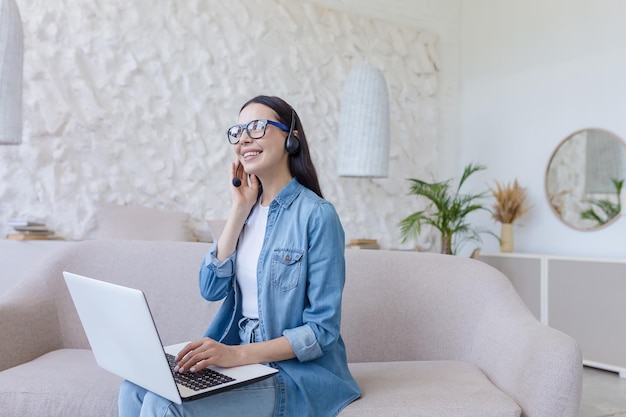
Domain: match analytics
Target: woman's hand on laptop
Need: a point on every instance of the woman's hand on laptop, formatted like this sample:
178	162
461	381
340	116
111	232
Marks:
205	352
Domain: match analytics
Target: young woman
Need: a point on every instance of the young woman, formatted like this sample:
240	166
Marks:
279	267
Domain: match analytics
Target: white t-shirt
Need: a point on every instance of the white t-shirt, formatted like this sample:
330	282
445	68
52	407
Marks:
248	259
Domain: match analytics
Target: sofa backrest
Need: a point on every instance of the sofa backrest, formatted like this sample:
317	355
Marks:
405	305
397	305
167	272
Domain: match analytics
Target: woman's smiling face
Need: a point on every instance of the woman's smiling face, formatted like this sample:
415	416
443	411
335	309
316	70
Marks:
262	156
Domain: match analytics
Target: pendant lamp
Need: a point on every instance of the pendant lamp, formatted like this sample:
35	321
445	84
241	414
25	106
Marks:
364	124
11	73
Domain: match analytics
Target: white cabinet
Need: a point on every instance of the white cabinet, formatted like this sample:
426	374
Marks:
583	297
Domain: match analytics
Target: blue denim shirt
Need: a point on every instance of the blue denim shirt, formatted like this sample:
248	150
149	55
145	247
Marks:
301	274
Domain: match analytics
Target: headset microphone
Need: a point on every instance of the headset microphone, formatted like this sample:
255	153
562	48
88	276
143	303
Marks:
237	181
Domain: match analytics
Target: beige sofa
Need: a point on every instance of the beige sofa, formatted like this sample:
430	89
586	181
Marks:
427	335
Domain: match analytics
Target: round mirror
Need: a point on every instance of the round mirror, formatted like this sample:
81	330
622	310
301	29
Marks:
584	179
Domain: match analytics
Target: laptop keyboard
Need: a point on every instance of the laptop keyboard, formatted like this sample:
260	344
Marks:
200	380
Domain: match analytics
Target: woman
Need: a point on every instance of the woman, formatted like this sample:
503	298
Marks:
279	266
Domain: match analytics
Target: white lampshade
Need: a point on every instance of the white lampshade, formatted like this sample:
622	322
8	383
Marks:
364	124
11	73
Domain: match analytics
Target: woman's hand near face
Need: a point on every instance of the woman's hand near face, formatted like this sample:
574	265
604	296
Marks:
246	194
244	197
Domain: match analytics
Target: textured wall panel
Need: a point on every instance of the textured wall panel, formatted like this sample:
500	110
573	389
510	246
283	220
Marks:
127	102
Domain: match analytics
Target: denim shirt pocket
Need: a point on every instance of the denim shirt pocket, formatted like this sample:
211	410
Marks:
285	268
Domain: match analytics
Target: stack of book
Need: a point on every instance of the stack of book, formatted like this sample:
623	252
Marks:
28	230
363	244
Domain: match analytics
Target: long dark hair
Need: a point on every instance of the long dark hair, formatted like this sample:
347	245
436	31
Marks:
300	164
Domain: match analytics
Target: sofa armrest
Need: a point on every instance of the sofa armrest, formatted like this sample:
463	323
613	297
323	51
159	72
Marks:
540	367
28	324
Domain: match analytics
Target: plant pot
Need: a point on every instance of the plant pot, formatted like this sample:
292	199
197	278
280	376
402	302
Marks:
506	238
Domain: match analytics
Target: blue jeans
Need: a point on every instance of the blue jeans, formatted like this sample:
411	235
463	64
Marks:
256	399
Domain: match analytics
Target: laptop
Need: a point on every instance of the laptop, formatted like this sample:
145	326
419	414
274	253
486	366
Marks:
125	341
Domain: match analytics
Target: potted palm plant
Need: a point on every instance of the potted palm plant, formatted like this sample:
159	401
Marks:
446	212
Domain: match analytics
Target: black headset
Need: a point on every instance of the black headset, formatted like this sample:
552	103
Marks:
292	143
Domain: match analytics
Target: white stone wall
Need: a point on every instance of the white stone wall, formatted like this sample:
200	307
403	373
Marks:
128	102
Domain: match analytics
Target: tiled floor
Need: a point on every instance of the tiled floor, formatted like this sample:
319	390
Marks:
604	394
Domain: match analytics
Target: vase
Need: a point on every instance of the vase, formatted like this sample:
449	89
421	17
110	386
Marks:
506	238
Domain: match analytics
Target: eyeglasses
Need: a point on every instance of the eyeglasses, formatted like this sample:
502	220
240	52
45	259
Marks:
255	130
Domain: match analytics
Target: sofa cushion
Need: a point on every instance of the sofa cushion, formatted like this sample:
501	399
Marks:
62	383
427	389
141	223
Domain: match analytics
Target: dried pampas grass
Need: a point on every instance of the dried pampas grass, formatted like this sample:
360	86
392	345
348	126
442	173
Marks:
509	204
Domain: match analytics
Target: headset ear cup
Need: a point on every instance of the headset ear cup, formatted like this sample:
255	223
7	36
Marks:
292	144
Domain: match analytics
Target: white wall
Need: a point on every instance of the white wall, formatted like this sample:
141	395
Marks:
442	18
127	103
532	73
